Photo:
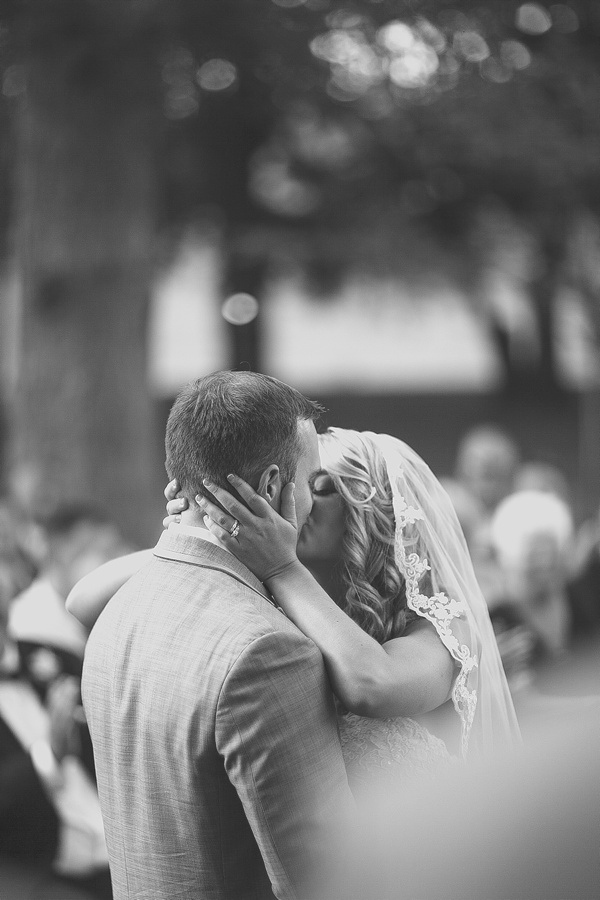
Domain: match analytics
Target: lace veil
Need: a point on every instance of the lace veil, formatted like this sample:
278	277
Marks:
432	555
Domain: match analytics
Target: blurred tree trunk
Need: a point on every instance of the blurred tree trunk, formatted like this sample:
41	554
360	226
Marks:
551	227
543	294
243	274
82	421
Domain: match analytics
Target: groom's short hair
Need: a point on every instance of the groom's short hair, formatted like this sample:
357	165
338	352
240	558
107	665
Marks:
237	422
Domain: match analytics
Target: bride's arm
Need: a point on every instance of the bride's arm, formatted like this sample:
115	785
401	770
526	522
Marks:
92	592
90	595
407	676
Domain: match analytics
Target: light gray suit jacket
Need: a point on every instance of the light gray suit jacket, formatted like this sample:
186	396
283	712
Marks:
219	766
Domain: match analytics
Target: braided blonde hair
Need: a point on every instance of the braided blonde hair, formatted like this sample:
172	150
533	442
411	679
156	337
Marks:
375	591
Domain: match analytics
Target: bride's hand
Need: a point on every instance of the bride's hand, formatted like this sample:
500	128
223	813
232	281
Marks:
261	538
175	504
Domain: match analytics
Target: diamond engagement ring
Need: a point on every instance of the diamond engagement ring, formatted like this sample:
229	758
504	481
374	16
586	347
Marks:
235	529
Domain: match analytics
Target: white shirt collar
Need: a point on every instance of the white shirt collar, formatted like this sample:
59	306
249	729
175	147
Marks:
196	531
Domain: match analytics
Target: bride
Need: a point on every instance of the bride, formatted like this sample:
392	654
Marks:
381	580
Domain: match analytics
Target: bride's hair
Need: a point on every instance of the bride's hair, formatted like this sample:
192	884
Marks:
375	591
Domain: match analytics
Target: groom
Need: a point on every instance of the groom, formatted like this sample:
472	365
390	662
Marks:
219	766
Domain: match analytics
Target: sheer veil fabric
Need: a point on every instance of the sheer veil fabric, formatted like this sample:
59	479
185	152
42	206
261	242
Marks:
432	555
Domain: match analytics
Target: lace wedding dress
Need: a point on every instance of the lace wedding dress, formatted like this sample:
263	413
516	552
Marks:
389	750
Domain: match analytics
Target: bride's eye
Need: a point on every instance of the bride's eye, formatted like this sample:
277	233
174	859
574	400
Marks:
322	485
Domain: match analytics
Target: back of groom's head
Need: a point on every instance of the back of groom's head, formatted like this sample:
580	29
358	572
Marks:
238	422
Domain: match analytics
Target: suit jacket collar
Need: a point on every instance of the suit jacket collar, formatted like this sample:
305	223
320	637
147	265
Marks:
195	551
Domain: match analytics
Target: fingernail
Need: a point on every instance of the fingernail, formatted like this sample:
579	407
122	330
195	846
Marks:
200	500
231	478
207	483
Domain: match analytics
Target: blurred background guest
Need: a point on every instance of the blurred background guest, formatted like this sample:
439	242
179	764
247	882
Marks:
51	835
531	532
51	642
583	587
537	475
532	535
487	462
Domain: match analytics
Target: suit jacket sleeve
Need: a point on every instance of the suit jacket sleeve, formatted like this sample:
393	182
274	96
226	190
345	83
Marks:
277	732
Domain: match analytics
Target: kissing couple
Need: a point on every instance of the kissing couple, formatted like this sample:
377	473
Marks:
310	600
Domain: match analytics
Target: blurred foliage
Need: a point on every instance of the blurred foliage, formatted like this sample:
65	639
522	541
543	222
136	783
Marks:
331	134
422	139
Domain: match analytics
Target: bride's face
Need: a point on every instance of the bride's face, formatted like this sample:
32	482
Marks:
322	535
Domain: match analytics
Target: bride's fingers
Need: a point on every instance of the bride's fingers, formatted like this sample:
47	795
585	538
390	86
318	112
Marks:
227	502
171	490
256	503
214	513
176	506
218	531
233	506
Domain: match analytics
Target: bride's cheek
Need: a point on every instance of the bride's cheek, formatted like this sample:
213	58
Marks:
303	548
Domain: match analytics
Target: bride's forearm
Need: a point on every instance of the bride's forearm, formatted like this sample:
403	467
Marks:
347	650
92	592
408	676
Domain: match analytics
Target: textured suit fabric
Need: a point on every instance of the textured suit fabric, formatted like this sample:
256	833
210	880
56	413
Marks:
219	767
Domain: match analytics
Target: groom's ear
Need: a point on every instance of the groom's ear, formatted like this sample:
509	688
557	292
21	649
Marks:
269	485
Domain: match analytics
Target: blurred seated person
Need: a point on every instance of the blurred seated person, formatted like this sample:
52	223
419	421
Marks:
583	578
50	640
538	475
531	533
583	586
17	570
487	462
49	812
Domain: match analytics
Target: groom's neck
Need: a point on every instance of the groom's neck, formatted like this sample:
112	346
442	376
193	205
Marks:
193	516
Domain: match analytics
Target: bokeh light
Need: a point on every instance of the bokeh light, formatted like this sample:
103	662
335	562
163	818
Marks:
216	75
495	70
564	18
515	55
432	35
409	56
274	186
532	18
471	46
414	68
181	94
397	37
240	309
